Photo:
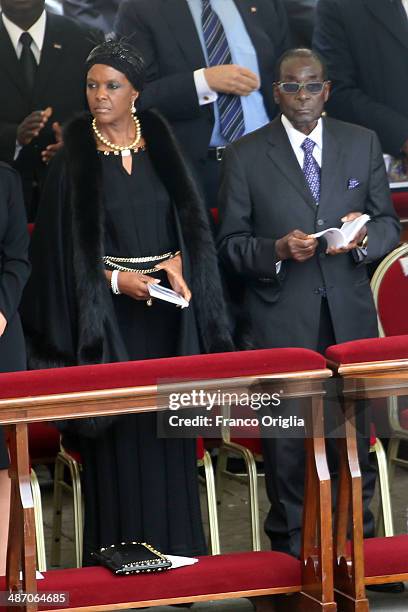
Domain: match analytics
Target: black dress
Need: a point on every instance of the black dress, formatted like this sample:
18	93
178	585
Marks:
136	486
14	271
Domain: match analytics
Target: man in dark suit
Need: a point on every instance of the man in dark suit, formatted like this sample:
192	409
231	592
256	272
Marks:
301	15
99	14
42	72
297	176
365	44
188	82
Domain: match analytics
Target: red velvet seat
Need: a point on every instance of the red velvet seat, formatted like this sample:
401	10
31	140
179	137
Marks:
151	372
230	574
43	442
369	350
386	557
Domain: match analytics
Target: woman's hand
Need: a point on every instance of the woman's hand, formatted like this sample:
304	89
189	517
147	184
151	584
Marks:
174	270
133	284
3	323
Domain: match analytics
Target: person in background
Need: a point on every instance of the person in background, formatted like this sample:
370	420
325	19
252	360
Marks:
99	14
301	17
209	69
365	45
14	272
41	69
120	211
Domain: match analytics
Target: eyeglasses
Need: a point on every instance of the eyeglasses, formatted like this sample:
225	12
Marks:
315	87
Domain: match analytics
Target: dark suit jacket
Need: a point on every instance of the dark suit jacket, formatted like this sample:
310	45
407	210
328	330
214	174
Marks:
60	83
301	15
264	196
99	14
165	33
365	43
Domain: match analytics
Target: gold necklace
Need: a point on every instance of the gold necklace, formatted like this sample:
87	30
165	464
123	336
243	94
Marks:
117	148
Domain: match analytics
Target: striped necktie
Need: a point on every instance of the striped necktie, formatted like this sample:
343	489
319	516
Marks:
232	124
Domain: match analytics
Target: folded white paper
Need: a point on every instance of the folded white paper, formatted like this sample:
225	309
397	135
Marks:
168	295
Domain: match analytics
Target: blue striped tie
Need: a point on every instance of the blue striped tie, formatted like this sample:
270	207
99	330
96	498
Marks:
311	168
231	115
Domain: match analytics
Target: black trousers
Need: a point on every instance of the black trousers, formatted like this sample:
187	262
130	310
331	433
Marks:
284	461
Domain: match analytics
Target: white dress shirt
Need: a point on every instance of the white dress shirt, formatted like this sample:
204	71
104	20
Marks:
37	32
296	139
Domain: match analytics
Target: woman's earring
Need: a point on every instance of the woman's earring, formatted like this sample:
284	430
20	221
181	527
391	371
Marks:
133	107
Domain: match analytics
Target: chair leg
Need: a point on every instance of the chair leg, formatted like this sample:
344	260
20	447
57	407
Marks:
393	448
64	460
39	525
386	508
78	513
221	468
251	471
211	504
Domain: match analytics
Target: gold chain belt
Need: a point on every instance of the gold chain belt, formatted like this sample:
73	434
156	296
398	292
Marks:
117	262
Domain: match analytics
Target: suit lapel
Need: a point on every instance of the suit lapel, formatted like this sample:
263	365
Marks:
51	54
181	22
9	59
331	164
391	16
283	156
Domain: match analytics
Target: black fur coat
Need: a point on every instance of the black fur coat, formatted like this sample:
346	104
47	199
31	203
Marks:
65	307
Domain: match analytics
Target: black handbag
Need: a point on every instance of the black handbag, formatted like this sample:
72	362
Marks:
132	558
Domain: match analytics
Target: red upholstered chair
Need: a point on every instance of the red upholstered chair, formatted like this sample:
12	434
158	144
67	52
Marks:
390	290
130	387
400	201
71	461
371	368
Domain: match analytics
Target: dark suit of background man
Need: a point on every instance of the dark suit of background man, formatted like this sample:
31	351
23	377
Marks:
42	85
170	35
301	16
296	176
99	14
365	44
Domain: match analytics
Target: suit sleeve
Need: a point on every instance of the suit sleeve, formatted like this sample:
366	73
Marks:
246	255
8	139
15	267
85	11
174	95
348	101
384	228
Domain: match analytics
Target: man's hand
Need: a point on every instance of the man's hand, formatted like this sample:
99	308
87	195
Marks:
357	239
52	149
297	245
231	79
174	270
32	125
3	323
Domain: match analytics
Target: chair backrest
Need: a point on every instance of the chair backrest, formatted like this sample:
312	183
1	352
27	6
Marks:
390	289
400	201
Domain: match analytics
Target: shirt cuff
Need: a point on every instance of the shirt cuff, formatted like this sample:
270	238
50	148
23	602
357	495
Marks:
17	150
205	95
278	266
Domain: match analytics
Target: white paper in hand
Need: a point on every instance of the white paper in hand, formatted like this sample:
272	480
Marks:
341	237
168	295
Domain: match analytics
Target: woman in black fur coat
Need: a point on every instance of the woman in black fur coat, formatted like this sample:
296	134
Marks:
120	210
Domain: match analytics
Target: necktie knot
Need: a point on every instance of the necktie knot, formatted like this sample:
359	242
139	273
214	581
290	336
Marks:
26	39
308	145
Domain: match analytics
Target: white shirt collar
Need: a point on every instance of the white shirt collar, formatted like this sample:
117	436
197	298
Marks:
37	32
296	138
